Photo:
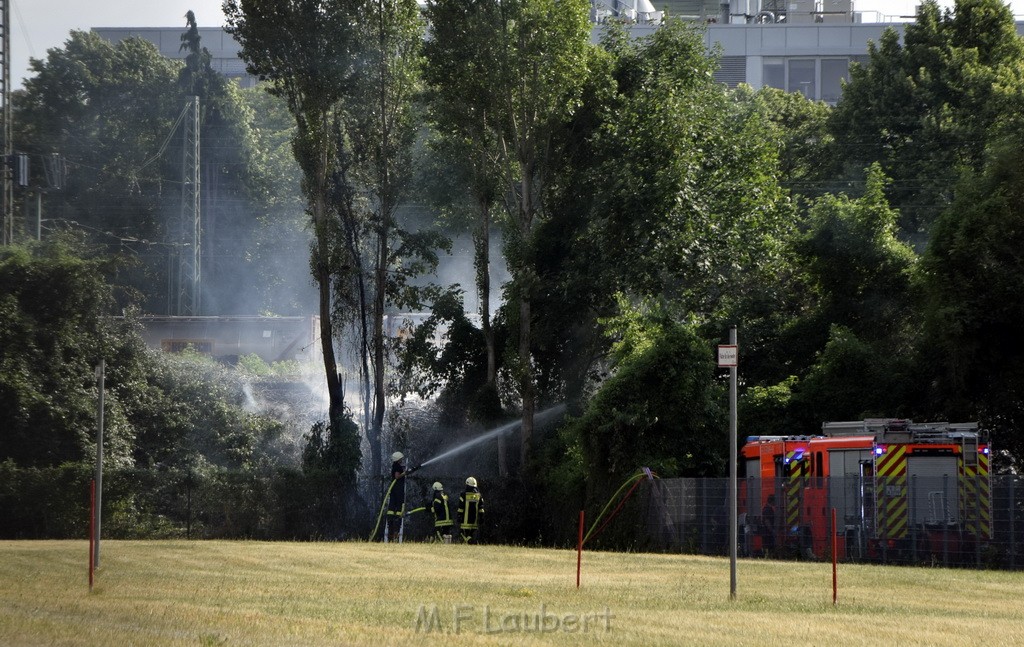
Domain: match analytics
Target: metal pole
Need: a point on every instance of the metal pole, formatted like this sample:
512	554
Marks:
101	375
39	215
733	525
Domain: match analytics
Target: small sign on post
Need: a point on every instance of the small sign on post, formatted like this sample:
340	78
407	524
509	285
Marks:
728	355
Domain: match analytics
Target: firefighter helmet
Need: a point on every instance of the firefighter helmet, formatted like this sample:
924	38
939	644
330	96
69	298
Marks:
471	482
437	486
397	456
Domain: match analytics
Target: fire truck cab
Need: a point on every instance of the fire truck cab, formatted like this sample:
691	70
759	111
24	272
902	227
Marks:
899	489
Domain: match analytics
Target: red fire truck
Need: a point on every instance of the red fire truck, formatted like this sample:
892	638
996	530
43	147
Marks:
901	490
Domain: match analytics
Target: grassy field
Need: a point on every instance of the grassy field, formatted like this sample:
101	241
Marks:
251	593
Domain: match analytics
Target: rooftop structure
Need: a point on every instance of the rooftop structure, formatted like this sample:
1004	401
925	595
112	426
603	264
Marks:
795	45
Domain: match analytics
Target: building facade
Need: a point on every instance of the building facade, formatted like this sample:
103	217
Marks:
803	46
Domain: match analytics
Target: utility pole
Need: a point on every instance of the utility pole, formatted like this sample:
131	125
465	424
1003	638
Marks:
190	238
5	115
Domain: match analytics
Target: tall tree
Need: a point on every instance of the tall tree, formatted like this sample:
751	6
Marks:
463	112
971	274
694	218
532	53
107	109
853	342
383	132
307	50
927	108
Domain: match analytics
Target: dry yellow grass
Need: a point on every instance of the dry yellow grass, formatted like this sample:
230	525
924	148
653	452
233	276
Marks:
253	593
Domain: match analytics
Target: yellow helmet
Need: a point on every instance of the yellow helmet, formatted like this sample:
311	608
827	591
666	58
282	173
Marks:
437	486
471	482
397	456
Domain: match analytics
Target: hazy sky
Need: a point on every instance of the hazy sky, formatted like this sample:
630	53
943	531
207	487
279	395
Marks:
38	25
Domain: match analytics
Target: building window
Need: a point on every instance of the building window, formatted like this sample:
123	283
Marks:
833	72
774	73
801	77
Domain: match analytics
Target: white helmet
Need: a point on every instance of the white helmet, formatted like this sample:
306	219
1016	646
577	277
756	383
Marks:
397	456
437	486
471	482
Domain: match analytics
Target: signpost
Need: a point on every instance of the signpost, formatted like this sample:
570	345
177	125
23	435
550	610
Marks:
728	356
101	372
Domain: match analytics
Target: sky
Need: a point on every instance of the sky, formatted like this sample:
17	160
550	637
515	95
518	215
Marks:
38	25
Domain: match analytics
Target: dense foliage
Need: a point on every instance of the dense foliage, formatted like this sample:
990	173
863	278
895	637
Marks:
173	424
867	252
101	123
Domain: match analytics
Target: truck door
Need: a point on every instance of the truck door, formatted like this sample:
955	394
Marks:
932	484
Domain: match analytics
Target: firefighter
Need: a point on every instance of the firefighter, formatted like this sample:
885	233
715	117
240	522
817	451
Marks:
471	511
396	500
442	513
768	526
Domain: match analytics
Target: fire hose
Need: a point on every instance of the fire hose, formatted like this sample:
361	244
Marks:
633	481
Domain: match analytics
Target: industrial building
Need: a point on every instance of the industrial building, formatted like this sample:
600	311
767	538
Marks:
226	338
795	45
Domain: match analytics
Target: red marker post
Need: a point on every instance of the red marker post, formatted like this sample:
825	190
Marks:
834	542
92	528
579	551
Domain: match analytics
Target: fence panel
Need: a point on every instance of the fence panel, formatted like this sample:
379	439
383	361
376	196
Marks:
922	519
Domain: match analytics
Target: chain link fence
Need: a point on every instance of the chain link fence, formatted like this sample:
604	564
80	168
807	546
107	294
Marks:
272	503
924	520
935	521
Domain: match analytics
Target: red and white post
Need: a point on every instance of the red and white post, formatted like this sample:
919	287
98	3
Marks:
92	529
579	551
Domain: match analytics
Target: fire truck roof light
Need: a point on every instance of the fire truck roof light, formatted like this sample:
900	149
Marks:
985	451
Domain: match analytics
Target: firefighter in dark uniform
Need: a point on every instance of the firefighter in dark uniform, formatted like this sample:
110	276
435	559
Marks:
768	526
471	511
396	499
442	513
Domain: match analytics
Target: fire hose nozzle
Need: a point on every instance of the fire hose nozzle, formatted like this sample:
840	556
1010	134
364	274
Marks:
413	469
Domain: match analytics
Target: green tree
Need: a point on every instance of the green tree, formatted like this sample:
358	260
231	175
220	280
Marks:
110	110
382	131
857	264
107	110
799	127
855	331
529	57
55	327
236	180
695	218
463	111
661	407
971	274
307	50
927	108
